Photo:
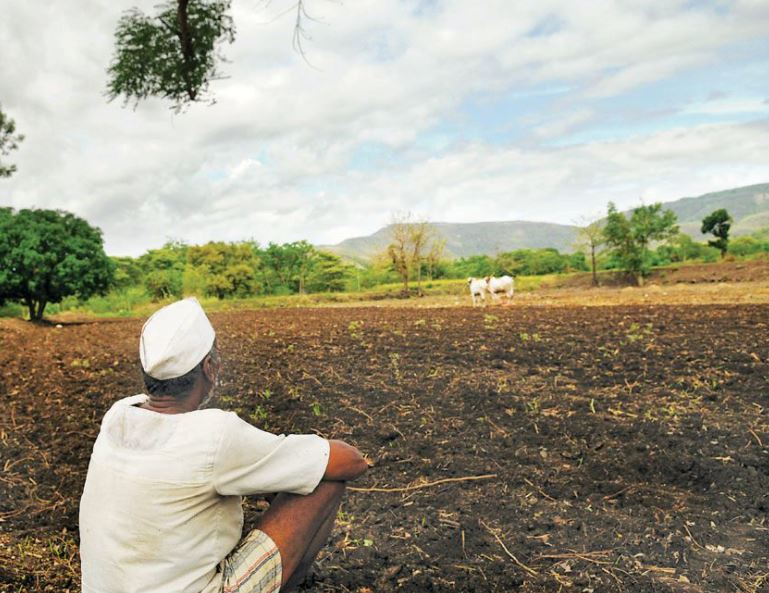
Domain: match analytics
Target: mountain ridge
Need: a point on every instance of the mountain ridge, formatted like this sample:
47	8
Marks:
748	205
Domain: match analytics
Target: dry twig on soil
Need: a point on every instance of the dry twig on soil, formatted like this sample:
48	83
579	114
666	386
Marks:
425	485
528	569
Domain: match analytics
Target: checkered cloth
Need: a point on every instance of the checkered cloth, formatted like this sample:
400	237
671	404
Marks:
253	567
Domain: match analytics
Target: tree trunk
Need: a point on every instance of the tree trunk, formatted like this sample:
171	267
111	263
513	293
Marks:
592	257
419	278
31	308
187	50
40	308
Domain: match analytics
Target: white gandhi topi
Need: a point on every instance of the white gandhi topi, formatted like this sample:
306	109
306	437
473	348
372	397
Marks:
175	339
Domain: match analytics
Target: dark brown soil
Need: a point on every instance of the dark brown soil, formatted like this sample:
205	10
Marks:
618	448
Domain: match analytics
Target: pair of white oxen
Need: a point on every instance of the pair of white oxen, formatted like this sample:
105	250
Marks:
495	287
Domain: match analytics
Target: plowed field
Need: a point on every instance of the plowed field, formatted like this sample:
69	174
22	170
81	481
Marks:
513	448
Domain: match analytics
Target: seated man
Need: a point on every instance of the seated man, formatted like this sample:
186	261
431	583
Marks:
161	509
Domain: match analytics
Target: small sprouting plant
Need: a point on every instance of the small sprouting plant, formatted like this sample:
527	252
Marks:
420	322
395	365
290	347
638	332
524	336
315	407
354	328
294	393
490	320
265	394
259	414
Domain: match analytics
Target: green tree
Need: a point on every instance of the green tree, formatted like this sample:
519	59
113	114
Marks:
175	54
227	269
718	224
172	55
46	255
477	266
590	239
164	269
329	273
287	266
9	140
629	238
128	272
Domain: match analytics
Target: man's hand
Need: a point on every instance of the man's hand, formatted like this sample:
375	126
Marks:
345	462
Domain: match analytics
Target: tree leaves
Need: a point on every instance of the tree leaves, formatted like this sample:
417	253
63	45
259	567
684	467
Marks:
171	55
46	255
718	223
629	238
9	140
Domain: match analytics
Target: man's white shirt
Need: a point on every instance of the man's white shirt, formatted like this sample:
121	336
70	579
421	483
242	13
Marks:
162	500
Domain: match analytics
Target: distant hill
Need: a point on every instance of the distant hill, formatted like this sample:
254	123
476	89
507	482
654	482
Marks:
749	206
470	238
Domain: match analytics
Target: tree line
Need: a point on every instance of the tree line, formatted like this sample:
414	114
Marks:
48	255
229	270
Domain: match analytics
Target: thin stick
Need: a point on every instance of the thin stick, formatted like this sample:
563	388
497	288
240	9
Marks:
751	431
528	569
574	557
575	554
542	492
361	412
426	485
696	543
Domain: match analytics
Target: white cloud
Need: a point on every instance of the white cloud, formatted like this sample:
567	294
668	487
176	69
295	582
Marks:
271	160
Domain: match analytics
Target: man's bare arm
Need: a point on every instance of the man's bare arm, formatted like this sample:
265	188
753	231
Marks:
345	462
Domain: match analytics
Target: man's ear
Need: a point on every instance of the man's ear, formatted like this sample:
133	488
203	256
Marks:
210	369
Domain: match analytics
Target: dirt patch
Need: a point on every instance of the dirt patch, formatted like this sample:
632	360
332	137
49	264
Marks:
725	271
615	448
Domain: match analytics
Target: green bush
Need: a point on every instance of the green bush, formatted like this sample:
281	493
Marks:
747	246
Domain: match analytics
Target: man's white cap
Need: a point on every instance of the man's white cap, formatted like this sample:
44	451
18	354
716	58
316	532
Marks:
175	339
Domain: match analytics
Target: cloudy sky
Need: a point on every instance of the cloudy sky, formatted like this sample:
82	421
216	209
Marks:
455	110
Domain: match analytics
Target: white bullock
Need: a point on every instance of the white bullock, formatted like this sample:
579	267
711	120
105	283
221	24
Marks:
504	285
477	289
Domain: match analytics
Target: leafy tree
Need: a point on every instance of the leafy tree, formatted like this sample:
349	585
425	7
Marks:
329	273
287	266
46	255
175	54
9	140
718	224
128	272
164	269
477	266
629	238
535	262
226	269
590	238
